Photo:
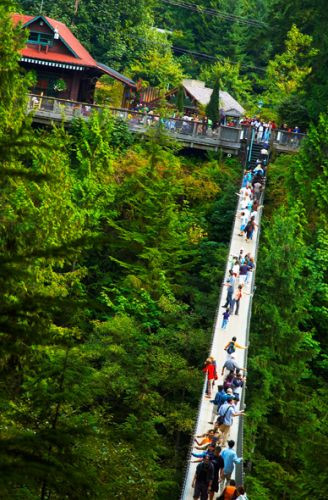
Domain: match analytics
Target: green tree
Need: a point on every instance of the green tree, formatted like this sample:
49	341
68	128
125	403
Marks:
212	108
156	66
180	99
200	31
228	74
287	72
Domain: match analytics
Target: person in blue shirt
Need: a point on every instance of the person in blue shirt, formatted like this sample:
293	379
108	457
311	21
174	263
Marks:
221	397
227	411
217	402
230	458
206	453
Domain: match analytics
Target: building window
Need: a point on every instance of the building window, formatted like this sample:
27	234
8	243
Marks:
40	38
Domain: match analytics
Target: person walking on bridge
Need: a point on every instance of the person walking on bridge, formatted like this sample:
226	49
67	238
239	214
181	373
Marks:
218	465
203	479
225	419
230	458
231	346
225	320
238	295
218	400
240	493
229	491
230	283
231	365
210	370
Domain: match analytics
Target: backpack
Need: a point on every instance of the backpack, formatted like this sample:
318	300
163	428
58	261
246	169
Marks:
231	348
221	418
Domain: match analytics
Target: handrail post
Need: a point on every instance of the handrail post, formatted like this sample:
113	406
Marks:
194	128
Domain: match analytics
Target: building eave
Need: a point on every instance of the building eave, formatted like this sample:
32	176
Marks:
53	64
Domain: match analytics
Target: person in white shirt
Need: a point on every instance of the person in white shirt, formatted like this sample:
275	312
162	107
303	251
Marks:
260	132
255	214
257	190
244	217
235	268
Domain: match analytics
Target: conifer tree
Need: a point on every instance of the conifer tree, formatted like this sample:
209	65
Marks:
180	99
212	109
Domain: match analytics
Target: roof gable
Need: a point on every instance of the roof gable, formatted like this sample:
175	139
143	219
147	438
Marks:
78	54
116	75
53	29
202	94
40	24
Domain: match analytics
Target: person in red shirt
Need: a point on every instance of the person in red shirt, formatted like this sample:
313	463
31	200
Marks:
210	370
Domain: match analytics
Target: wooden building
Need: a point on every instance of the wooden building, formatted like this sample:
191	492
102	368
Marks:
196	96
63	67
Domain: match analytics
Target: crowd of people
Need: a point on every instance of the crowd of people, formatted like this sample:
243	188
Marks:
214	450
264	128
192	122
187	122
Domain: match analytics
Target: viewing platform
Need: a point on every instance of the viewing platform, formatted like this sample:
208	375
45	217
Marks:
192	134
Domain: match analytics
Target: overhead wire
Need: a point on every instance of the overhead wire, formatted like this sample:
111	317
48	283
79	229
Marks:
215	12
216	58
201	55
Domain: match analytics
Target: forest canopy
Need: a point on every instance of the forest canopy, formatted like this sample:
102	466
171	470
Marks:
113	246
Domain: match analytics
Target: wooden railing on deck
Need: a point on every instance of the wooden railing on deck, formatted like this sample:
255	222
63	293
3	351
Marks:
194	132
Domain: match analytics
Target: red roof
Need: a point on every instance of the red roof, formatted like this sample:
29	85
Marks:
83	57
79	55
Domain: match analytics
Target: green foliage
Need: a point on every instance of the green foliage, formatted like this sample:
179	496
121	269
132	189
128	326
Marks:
311	18
13	83
109	92
109	272
230	79
212	109
216	35
157	66
288	368
287	72
180	99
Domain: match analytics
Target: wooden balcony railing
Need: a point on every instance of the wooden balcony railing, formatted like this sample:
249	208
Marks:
193	133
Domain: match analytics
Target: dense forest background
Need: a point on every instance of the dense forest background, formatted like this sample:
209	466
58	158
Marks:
270	51
286	431
112	251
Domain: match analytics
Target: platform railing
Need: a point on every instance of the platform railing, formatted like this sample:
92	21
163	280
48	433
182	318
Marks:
288	140
55	108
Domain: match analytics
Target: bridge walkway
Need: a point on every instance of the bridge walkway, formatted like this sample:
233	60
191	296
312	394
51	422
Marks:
238	326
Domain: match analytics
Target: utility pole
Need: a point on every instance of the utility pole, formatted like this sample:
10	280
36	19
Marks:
41	6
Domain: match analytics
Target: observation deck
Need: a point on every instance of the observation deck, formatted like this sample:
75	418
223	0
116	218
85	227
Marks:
192	134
